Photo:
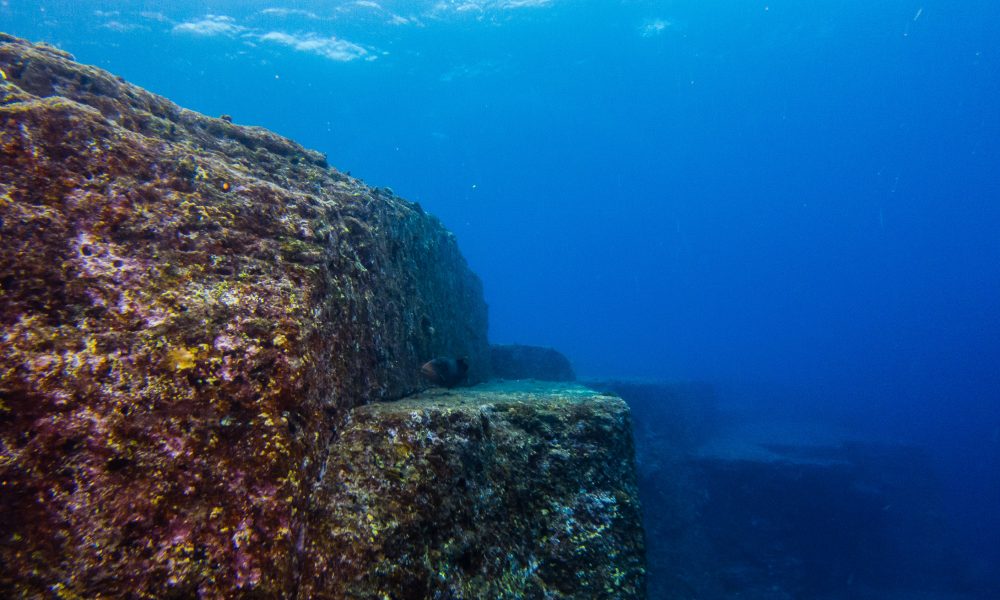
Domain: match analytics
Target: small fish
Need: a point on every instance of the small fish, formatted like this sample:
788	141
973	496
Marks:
446	372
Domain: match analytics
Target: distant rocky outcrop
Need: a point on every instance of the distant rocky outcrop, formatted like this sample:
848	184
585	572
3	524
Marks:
853	520
516	361
759	507
676	417
196	319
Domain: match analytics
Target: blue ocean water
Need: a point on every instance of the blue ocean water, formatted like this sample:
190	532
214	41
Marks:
798	202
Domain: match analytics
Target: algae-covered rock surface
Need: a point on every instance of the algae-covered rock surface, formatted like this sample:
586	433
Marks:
188	306
505	490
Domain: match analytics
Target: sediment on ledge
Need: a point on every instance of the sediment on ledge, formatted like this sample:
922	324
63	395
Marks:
505	490
188	306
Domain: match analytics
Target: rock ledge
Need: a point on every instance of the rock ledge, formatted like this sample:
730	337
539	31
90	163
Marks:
503	490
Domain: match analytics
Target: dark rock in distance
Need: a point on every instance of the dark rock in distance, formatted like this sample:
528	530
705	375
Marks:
669	417
755	507
848	521
516	361
446	372
189	309
671	421
503	490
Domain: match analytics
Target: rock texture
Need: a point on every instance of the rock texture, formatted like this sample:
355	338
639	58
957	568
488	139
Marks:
516	361
188	309
504	490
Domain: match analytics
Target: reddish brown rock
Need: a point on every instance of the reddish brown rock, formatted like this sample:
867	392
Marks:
188	307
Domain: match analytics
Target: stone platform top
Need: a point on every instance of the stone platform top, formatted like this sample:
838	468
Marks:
497	394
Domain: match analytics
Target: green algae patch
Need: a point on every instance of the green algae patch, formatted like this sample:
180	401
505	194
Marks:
502	490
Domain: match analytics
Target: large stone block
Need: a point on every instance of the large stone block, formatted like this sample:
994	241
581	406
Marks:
187	307
505	490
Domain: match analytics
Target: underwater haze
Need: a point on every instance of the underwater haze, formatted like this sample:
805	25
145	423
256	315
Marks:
795	202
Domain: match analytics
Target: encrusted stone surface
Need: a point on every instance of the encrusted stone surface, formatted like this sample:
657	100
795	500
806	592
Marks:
186	307
504	490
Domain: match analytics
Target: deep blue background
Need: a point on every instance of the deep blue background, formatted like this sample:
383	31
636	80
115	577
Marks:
799	197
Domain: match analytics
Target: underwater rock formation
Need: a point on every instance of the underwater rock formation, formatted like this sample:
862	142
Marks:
516	361
679	417
760	508
189	308
505	490
672	421
855	520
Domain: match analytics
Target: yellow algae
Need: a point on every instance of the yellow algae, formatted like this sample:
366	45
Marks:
111	348
403	452
181	359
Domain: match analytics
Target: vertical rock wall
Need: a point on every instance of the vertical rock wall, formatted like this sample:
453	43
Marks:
187	307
